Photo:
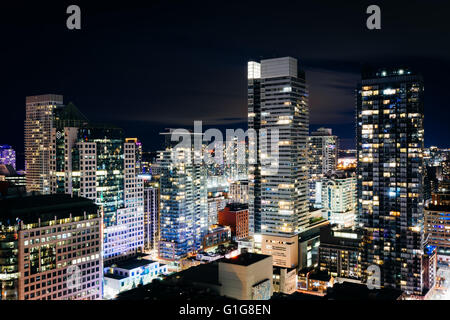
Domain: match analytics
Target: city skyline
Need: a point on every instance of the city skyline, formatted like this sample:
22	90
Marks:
210	152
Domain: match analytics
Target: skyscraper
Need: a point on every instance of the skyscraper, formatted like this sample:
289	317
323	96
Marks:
323	155
278	100
151	214
138	153
95	162
38	123
183	207
389	116
254	165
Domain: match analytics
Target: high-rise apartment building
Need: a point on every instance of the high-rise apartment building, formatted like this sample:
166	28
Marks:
151	214
38	123
139	152
95	162
389	116
254	164
235	164
50	248
323	151
323	155
278	100
183	206
340	252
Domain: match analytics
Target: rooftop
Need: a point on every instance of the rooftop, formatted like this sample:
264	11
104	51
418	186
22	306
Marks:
217	228
237	206
114	276
313	230
319	275
171	291
370	73
30	208
277	296
133	263
245	259
340	174
342	237
277	270
69	114
202	274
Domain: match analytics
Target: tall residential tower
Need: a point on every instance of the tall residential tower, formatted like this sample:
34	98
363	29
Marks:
38	123
323	155
278	100
389	116
183	201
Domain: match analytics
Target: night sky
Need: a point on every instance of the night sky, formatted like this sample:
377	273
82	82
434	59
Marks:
145	67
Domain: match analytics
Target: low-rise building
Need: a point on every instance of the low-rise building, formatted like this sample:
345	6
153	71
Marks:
216	235
313	281
284	280
340	253
128	274
235	215
284	249
247	276
246	244
308	243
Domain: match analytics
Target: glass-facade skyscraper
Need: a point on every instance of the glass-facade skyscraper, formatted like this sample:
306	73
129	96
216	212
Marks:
94	161
390	137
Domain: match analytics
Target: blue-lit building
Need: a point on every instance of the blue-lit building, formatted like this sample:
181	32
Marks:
184	207
437	223
129	274
7	155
